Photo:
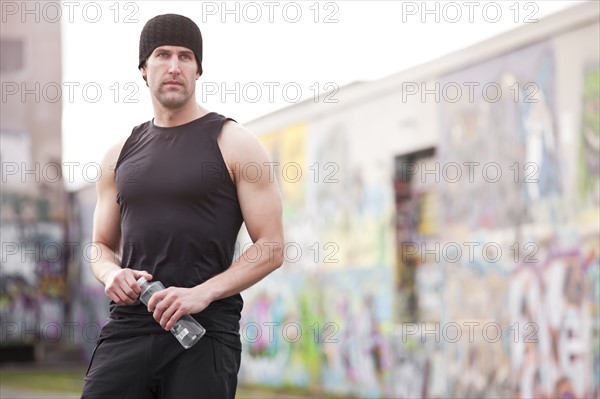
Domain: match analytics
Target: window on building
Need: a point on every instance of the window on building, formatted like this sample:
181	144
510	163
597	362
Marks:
11	55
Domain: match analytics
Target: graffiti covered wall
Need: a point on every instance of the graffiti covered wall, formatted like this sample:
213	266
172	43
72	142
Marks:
547	266
312	323
34	289
33	279
509	288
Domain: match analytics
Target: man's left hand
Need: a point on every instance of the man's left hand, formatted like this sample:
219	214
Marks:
170	304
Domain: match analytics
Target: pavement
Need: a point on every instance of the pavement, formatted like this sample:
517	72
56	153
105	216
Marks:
11	393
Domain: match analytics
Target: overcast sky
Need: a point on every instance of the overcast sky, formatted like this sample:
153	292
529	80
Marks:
253	50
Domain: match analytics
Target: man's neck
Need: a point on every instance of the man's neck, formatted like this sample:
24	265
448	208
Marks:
164	117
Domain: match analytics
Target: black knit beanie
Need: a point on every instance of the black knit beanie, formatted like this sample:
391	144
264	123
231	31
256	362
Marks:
170	30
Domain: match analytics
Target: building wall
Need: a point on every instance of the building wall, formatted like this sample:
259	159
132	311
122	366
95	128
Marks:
33	200
523	322
89	309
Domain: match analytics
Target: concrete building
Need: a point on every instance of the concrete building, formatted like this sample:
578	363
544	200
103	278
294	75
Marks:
447	221
33	271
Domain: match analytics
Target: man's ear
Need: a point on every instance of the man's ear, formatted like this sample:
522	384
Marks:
143	72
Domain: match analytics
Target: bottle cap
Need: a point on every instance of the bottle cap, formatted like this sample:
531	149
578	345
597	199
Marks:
141	281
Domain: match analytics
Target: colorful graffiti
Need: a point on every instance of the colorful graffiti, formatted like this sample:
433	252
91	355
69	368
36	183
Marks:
508	138
287	151
90	310
32	277
319	322
589	155
554	299
322	330
544	299
541	294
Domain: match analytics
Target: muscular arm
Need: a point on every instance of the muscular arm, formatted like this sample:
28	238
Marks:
260	202
261	207
119	284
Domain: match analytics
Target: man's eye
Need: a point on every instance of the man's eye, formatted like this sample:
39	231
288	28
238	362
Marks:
186	57
163	54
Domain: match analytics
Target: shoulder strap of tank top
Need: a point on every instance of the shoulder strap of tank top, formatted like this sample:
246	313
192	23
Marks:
216	132
129	141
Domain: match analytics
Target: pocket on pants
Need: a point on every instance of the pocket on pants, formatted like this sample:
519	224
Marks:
225	358
93	353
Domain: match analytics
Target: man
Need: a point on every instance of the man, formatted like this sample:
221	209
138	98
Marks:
172	208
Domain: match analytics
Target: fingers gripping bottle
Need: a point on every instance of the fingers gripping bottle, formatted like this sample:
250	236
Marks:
187	330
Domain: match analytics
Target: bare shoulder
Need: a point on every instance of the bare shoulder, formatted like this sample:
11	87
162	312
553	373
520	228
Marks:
109	161
240	145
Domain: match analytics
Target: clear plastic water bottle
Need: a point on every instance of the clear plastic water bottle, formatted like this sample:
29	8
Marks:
187	330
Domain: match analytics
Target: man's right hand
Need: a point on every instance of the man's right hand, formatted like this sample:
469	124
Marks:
121	285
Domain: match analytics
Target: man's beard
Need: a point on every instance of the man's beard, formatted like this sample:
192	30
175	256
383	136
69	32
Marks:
172	99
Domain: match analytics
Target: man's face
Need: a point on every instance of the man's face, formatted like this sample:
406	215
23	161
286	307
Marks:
171	73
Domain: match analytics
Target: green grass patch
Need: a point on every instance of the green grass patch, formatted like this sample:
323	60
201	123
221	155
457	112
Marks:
70	381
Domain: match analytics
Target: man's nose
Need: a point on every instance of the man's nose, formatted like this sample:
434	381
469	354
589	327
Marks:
174	66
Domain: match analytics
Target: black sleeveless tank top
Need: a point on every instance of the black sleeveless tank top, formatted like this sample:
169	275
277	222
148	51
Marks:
180	217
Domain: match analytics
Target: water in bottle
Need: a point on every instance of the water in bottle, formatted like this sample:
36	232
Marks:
187	330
